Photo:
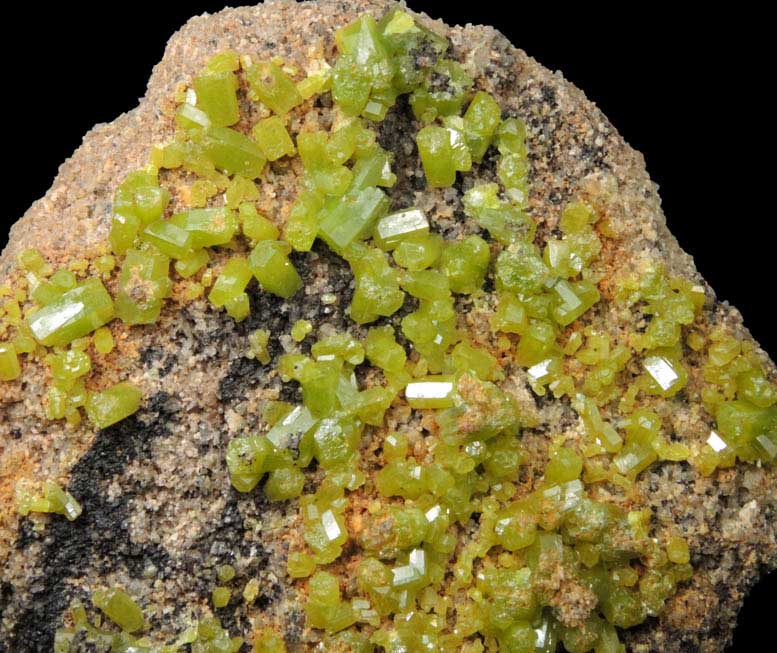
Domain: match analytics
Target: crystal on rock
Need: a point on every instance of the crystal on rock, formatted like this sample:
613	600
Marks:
73	315
393	228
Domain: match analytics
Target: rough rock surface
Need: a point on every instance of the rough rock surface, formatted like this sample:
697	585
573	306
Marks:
159	514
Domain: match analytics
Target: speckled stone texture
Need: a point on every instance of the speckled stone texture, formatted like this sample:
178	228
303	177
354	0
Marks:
159	513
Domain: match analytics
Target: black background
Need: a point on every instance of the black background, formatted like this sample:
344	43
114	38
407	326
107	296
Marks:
688	90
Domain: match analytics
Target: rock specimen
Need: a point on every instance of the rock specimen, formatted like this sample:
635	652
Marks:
368	334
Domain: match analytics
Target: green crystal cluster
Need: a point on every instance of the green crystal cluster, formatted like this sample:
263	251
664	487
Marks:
52	499
204	636
440	546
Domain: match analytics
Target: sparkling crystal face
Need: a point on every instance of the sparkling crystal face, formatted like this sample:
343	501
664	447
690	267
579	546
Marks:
716	442
662	371
431	507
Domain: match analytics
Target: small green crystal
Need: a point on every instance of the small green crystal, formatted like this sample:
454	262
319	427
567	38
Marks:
233	152
119	607
465	263
143	285
207	227
273	139
217	97
273	86
54	500
255	225
270	264
480	122
377	289
419	251
443	91
396	227
430	392
112	405
443	152
352	218
192	263
74	314
9	362
231	282
220	597
168	238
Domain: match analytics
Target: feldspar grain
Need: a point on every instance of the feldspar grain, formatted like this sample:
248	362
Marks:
159	516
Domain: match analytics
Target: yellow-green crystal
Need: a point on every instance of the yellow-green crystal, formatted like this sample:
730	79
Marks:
273	86
120	608
273	138
74	314
143	285
220	597
217	97
168	238
103	340
300	330
9	362
113	404
269	262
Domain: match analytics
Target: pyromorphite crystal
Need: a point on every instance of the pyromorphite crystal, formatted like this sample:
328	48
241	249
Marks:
480	122
54	500
168	238
574	299
504	221
139	200
392	229
352	217
217	97
190	117
465	264
207	227
372	168
666	375
285	483
442	92
231	282
269	262
143	285
112	405
325	607
9	362
74	314
383	350
377	284
419	251
255	225
273	86
257	341
429	285
341	345
69	365
220	597
192	263
520	270
443	152
233	152
120	608
240	190
300	330
32	261
272	137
